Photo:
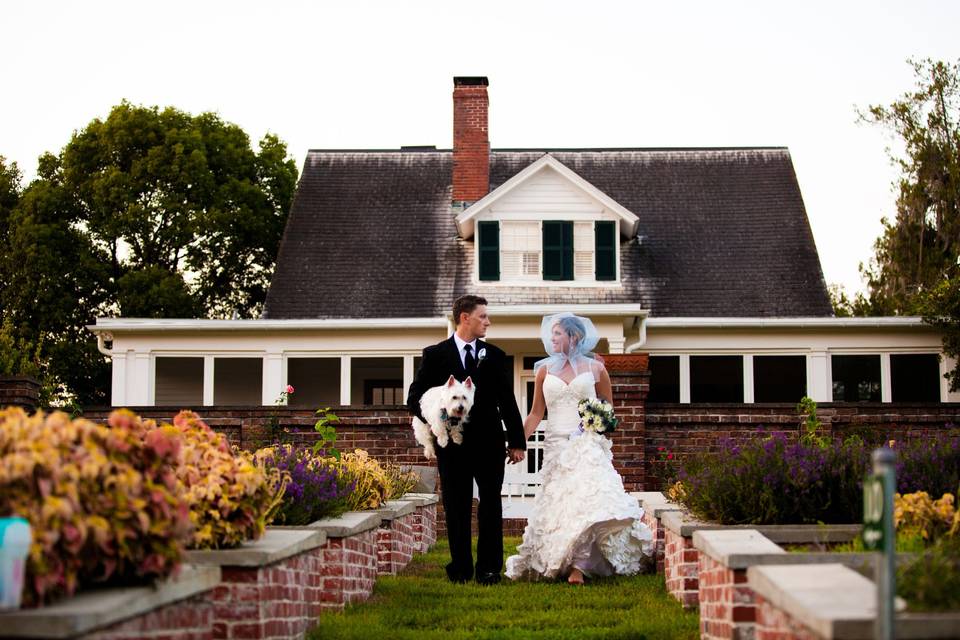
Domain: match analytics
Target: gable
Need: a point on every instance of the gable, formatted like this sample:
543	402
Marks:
545	190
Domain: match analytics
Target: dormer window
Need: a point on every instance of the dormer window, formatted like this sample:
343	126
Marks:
547	250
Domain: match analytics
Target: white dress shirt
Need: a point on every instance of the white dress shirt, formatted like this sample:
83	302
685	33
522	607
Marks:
463	354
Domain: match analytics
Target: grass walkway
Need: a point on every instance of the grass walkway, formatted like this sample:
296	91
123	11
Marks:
421	604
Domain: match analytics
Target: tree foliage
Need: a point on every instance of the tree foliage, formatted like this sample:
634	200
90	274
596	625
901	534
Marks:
923	241
915	266
147	213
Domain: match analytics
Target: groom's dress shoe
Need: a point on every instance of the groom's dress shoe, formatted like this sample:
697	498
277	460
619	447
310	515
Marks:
488	578
455	576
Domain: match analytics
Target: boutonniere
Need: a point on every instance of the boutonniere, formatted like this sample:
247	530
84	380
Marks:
481	356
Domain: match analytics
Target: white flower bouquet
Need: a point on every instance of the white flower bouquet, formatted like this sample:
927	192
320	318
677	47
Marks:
596	415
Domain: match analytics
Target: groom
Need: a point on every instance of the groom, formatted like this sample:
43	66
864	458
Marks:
482	453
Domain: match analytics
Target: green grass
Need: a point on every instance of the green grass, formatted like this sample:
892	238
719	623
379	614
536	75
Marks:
421	604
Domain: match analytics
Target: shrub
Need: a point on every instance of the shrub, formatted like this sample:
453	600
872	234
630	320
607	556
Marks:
932	581
103	503
315	488
371	484
232	498
920	515
930	464
399	482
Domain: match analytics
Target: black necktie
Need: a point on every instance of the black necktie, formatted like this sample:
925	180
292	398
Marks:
469	362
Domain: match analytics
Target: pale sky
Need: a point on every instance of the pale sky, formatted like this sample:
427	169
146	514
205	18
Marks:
365	74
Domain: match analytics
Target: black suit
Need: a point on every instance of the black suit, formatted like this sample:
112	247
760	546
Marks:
480	457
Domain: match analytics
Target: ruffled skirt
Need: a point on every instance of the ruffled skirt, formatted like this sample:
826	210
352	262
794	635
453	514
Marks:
582	517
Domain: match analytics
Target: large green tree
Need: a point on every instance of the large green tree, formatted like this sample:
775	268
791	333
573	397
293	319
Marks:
921	243
147	213
184	207
915	266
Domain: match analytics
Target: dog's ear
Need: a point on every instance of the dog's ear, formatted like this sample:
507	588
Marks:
451	381
468	383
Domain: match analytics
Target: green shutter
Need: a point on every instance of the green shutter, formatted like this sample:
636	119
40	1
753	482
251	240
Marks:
605	250
488	241
557	250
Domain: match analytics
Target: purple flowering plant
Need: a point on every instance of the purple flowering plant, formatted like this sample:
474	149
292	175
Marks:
315	490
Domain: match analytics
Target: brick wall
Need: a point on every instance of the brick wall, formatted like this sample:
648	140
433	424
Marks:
424	528
631	382
273	602
680	568
191	618
726	602
396	543
349	569
775	624
19	391
659	537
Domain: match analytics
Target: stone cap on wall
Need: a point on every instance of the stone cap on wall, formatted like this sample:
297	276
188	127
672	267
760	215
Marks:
831	599
95	609
274	545
685	525
348	524
655	502
422	499
393	509
736	548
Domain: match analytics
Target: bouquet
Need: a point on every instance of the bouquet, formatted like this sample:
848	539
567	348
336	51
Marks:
596	415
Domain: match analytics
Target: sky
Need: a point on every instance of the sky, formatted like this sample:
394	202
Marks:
365	74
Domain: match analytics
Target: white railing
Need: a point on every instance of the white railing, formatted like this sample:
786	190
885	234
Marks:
523	479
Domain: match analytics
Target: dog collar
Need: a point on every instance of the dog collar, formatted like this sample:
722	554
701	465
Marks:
448	418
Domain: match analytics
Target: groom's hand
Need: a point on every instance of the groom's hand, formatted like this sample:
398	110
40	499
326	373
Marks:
515	455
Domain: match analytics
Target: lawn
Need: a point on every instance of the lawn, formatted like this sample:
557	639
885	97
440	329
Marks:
421	604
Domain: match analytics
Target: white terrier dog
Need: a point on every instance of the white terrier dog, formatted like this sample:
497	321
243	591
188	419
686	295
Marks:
446	408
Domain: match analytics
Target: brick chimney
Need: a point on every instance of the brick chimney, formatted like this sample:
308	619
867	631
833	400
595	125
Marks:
471	143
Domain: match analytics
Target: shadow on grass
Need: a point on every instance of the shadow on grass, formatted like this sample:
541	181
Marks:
421	604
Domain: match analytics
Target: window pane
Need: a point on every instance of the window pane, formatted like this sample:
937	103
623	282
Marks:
238	381
178	382
779	378
856	378
716	378
664	379
915	377
316	382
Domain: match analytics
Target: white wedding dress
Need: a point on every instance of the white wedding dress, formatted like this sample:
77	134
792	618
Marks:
581	517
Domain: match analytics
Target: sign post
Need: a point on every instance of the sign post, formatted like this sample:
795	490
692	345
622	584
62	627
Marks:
879	535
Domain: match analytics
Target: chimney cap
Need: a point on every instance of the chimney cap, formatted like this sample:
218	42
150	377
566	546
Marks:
470	81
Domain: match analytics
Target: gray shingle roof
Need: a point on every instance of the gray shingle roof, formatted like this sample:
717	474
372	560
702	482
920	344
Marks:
722	232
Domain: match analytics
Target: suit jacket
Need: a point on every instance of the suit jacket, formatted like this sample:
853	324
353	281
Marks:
494	400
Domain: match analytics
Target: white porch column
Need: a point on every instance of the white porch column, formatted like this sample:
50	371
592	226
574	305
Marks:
685	378
819	379
407	374
118	379
616	344
886	389
947	364
748	379
140	393
345	374
272	377
207	381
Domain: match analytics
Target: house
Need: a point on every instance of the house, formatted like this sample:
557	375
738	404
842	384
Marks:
702	258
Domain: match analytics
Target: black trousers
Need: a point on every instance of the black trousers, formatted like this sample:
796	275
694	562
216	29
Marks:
459	466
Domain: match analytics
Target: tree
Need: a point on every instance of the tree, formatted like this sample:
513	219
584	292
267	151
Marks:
922	242
185	203
915	268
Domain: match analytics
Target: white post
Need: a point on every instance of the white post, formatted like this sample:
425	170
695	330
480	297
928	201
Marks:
748	379
685	378
345	380
407	374
207	381
886	390
947	364
118	379
819	379
141	393
272	377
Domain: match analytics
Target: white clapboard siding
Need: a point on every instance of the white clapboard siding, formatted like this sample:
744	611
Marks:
548	196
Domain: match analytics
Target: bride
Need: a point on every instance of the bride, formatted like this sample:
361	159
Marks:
583	522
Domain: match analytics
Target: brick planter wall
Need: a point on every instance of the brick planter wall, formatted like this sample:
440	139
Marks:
659	537
726	601
424	528
775	624
396	543
680	568
349	569
19	391
188	619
